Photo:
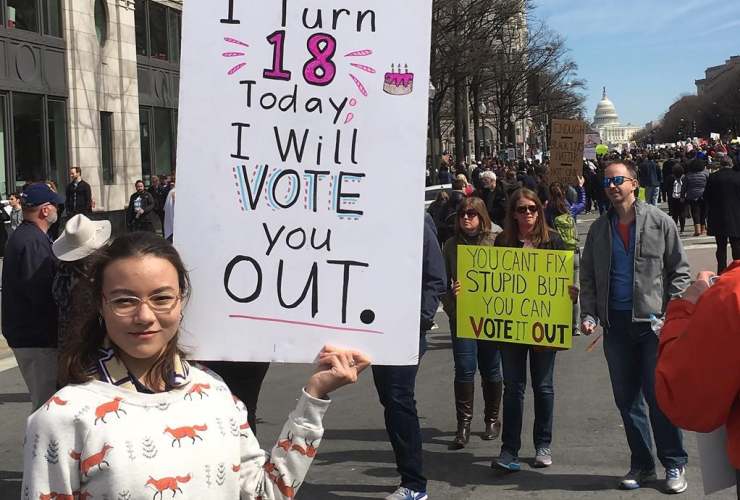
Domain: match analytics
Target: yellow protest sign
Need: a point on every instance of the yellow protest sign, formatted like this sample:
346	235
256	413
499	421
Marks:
515	295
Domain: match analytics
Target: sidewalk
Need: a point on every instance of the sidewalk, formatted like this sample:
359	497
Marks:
5	351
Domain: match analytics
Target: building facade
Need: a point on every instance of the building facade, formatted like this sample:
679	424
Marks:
90	84
715	74
606	123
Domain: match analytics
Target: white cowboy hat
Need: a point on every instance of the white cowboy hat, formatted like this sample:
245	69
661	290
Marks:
80	238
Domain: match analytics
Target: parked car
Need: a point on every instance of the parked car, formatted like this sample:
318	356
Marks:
433	191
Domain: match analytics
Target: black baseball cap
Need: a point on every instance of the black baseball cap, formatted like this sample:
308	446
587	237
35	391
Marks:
40	193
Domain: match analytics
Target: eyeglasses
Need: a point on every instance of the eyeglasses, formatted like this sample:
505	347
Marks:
523	210
617	180
469	213
160	303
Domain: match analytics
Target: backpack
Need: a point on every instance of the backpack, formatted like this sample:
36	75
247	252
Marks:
565	225
677	188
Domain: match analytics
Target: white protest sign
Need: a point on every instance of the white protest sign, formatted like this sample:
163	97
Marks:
511	153
717	473
714	136
293	119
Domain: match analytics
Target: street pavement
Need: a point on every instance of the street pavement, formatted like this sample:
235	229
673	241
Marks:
356	461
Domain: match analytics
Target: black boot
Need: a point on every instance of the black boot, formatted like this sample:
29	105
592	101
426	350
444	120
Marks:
464	397
492	392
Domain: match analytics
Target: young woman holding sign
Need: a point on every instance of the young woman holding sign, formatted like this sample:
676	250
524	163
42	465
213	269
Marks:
525	227
472	227
138	421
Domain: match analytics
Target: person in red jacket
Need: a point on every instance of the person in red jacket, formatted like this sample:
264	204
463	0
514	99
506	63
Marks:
697	379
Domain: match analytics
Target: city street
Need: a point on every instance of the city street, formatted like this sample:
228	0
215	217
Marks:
356	461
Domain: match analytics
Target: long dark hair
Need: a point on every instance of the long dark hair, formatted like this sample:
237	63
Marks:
557	199
85	332
540	233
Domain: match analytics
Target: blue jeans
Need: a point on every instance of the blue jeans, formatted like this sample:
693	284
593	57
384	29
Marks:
470	354
541	367
395	386
603	206
651	194
631	351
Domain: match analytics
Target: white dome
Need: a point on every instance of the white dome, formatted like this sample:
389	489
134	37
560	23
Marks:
606	112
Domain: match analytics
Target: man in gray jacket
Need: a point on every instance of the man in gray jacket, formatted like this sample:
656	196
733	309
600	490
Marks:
632	265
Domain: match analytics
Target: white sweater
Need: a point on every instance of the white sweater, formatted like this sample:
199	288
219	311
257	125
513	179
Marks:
103	442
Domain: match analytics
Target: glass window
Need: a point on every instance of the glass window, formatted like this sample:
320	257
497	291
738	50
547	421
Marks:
106	143
3	171
158	31
163	141
59	168
23	14
52	17
101	21
28	138
140	22
175	25
146	141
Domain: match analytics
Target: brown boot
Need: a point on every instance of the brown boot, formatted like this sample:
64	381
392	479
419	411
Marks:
697	229
464	397
492	392
703	229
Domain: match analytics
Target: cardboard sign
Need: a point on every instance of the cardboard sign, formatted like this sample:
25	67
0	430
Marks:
284	217
515	295
566	157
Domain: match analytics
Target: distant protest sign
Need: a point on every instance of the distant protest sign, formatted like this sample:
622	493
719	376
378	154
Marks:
590	143
515	295
566	155
293	118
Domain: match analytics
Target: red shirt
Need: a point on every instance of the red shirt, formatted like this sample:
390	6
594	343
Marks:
624	232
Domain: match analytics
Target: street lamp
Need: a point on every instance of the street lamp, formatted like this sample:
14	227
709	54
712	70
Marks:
434	167
482	109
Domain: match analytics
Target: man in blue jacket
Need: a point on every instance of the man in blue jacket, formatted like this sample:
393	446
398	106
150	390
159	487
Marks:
650	178
29	314
395	384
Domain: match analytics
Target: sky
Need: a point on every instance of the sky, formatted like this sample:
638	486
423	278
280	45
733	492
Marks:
646	52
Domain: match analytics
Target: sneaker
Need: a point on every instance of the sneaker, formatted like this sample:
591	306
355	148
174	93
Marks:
636	478
675	480
576	331
435	326
543	458
506	461
406	494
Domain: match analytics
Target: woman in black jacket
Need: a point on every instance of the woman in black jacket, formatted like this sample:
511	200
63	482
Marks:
693	191
525	227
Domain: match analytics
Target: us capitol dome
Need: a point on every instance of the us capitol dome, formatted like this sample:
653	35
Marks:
606	123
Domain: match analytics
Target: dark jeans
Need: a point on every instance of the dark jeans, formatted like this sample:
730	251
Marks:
699	211
541	368
678	212
631	351
470	354
395	386
722	250
244	378
603	206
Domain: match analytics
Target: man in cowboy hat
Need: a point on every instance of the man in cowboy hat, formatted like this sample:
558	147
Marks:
29	315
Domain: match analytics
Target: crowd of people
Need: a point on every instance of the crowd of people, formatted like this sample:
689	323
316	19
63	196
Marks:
94	324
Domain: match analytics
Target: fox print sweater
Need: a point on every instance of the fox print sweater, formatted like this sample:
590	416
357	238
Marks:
100	441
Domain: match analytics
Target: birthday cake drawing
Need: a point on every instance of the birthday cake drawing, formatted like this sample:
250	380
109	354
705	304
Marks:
397	83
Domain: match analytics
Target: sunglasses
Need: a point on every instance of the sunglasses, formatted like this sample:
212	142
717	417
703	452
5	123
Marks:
469	213
617	180
532	209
